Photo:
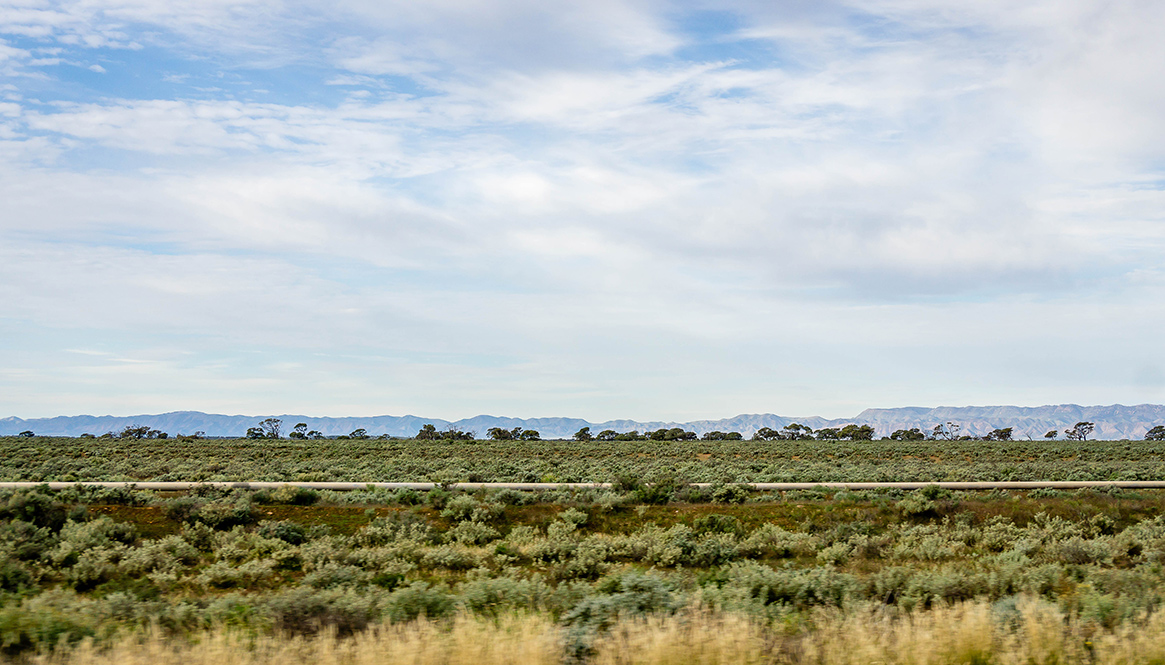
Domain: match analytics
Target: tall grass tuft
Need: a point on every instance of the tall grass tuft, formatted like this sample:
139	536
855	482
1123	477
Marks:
465	640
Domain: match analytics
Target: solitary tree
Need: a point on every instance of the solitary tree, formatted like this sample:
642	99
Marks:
1080	431
1051	434
583	434
298	432
1156	433
360	433
27	433
267	429
947	432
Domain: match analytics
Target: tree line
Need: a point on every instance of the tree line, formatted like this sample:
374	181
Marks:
272	428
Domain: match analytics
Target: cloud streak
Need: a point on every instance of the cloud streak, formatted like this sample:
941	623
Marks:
622	206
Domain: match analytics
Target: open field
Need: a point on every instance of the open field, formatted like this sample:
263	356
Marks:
648	569
65	459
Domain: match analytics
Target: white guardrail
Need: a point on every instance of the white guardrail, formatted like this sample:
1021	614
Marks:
763	487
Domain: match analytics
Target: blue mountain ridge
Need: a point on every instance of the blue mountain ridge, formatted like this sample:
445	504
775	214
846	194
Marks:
1112	422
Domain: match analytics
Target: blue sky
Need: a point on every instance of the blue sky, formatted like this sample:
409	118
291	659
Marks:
612	209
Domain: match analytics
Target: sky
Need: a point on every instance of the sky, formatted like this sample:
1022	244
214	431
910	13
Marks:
609	209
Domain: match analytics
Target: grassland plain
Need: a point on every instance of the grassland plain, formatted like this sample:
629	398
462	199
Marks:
49	458
652	571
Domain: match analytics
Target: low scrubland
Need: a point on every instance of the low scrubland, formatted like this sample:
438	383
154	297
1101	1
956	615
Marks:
364	460
653	572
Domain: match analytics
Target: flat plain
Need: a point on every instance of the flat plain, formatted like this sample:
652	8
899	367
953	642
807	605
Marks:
363	460
652	570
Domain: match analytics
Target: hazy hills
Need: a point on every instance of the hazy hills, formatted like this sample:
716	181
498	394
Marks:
1112	422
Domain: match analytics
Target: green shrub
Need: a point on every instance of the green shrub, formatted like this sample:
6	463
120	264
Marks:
770	540
451	557
493	596
182	509
656	493
626	482
574	516
15	578
473	533
305	610
926	542
169	554
626	595
460	507
395	527
837	553
45	621
199	535
418	599
713	549
35	507
1077	550
333	575
509	497
93	566
26	541
753	587
295	496
407	497
222	575
222	515
715	523
934	493
916	504
285	530
735	493
437	497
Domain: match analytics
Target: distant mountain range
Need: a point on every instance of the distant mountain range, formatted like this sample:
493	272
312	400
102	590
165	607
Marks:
1112	422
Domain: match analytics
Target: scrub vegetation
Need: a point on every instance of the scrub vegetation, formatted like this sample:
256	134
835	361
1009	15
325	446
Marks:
654	572
452	459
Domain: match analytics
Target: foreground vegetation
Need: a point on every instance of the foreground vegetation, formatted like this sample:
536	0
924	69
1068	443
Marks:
572	572
654	570
48	459
1031	631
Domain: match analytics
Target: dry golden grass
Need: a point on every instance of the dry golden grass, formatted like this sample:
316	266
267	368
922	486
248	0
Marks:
513	639
964	634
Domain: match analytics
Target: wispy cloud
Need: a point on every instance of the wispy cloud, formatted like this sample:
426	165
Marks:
612	209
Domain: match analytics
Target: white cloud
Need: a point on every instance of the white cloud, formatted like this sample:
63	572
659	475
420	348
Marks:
542	206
